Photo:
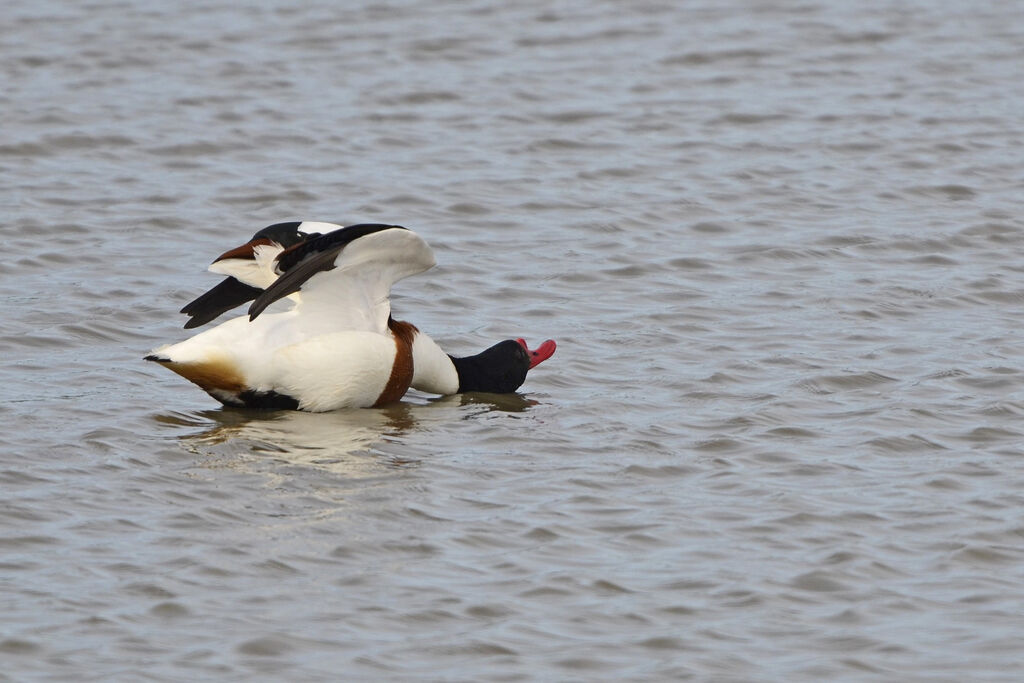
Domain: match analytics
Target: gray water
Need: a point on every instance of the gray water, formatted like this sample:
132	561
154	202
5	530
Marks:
778	244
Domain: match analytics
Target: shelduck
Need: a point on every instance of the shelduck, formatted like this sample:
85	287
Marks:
338	345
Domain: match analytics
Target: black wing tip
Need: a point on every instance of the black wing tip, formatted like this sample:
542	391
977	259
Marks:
257	307
220	299
156	358
263	301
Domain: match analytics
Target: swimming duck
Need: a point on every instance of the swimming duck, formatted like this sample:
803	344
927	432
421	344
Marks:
338	346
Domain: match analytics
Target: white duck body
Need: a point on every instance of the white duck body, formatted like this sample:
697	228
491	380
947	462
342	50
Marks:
338	346
261	363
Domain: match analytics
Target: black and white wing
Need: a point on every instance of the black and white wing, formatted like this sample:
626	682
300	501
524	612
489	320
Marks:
346	276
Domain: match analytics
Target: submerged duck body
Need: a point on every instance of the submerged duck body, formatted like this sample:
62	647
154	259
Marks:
338	346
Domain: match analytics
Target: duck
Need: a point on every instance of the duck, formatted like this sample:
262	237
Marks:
338	345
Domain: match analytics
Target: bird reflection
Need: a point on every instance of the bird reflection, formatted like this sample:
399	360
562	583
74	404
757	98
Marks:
339	440
503	403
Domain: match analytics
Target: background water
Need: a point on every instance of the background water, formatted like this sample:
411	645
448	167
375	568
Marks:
778	244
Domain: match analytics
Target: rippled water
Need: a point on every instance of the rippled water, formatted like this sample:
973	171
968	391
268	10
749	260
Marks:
778	245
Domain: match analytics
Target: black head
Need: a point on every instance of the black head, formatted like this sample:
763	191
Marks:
285	234
500	369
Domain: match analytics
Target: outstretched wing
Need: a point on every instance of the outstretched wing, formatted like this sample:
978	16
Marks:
225	296
346	276
249	268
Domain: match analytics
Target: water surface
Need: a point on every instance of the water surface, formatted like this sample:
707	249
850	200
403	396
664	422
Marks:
777	244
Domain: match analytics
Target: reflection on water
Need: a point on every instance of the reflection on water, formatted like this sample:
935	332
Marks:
328	440
502	403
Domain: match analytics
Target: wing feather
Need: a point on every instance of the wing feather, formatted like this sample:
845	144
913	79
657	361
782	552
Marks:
292	280
219	299
346	276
